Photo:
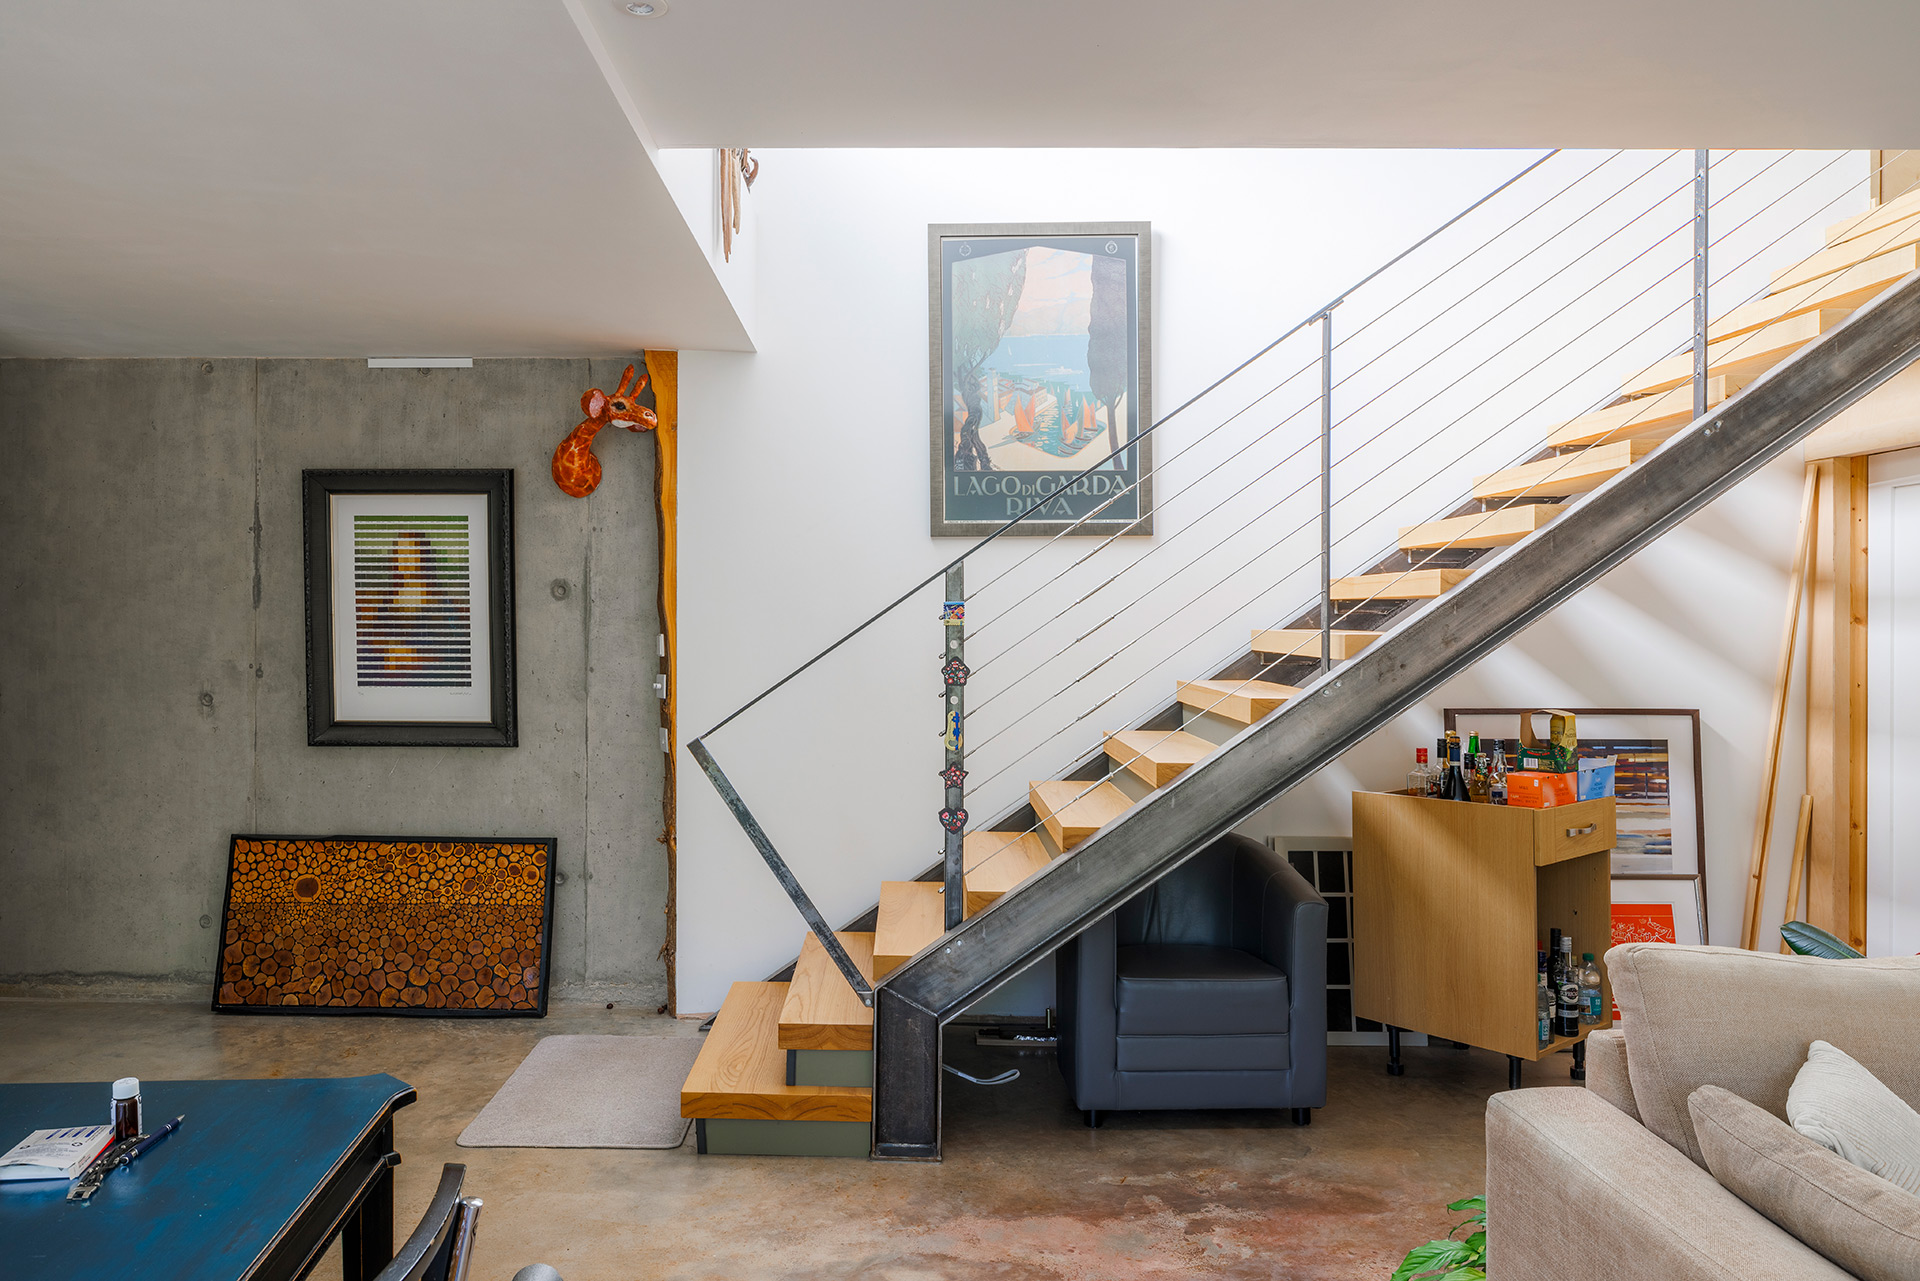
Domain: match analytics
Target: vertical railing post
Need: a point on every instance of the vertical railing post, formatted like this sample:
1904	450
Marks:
953	675
1699	283
1326	489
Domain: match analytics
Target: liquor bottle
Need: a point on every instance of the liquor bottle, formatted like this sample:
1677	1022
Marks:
1568	1022
1454	786
1479	779
1497	779
1553	981
1543	1002
1589	992
1420	777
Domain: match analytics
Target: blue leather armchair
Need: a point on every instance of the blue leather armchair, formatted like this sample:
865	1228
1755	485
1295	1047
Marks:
1208	990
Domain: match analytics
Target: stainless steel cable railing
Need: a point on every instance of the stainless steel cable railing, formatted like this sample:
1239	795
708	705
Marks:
1435	368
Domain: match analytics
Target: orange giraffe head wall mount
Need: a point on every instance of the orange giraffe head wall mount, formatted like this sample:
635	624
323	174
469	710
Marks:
575	469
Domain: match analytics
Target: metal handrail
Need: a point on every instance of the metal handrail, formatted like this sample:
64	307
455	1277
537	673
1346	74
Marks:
730	795
1188	403
954	817
1566	460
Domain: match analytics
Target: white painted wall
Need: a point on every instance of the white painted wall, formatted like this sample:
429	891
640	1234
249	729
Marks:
692	177
804	502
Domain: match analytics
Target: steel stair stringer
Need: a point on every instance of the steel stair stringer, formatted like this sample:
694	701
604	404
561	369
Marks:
1505	594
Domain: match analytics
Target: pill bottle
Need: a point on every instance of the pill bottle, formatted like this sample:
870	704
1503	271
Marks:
126	1108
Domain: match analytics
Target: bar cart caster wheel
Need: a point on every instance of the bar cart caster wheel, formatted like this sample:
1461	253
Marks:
1513	1072
1579	1069
1303	1116
1394	1066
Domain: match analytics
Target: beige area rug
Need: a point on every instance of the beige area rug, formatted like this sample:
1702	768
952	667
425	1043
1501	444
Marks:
591	1092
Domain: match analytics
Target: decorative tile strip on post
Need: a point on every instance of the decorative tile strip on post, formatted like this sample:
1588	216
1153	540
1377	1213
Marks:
953	673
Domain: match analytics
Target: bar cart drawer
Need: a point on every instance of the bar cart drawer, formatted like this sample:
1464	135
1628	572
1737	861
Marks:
1569	831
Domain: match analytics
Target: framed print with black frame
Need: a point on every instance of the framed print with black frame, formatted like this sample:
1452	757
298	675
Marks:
409	579
1040	382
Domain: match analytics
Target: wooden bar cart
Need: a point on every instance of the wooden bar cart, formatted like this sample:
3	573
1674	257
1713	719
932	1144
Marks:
1451	901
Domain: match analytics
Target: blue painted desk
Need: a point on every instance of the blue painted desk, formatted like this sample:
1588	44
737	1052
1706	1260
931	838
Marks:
257	1182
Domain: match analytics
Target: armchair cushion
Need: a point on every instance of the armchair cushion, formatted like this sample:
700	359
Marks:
1180	989
1202	1054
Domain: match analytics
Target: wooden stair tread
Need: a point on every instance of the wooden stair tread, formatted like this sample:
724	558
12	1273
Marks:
1901	207
1242	701
1565	475
1406	584
1646	418
1304	642
1070	817
912	915
1743	356
1479	529
1883	239
741	1072
995	862
821	1011
1156	755
1854	287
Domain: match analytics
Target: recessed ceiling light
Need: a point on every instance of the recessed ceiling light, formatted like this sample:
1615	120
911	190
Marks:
646	10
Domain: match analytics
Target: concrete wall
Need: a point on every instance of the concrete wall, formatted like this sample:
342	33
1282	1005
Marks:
152	655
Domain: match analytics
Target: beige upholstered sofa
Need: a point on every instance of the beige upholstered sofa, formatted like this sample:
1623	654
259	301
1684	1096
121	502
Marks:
1609	1181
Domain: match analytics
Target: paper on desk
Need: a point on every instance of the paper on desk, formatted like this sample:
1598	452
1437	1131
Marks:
55	1154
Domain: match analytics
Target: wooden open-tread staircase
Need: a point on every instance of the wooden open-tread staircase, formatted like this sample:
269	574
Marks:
788	1067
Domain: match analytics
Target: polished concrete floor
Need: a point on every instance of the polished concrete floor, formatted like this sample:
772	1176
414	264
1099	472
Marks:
1026	1192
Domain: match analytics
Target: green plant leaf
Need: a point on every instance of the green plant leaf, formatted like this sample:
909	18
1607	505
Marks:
1811	940
1477	1243
1431	1259
1464	1274
1478	1203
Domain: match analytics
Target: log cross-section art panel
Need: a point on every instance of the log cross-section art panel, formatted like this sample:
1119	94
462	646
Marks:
385	925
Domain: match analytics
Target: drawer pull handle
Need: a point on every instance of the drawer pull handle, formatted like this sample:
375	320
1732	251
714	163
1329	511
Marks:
1588	830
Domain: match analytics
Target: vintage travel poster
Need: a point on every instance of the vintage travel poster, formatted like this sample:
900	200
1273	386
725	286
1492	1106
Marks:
1040	387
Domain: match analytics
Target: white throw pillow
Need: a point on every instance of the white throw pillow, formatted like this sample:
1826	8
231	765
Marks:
1846	1109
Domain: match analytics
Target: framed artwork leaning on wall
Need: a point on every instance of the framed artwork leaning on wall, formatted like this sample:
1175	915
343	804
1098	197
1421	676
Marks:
1040	378
409	582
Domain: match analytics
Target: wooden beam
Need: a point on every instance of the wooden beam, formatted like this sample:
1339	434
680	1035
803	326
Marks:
663	371
1836	703
1857	714
1782	680
1797	874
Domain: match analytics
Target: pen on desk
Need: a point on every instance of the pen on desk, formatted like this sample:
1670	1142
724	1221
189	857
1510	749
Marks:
140	1149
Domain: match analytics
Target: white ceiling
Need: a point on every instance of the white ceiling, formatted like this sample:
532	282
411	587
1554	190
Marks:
334	178
472	177
1273	73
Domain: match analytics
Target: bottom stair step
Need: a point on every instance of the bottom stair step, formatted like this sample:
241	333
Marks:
738	1088
821	1011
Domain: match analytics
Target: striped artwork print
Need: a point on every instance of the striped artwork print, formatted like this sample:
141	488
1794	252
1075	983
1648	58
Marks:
413	601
